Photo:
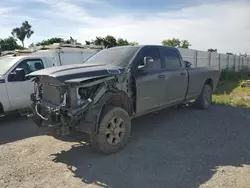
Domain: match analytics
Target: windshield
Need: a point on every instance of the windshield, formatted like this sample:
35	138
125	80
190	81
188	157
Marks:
120	56
6	63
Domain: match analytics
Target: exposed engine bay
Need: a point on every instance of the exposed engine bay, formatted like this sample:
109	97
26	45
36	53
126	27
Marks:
66	107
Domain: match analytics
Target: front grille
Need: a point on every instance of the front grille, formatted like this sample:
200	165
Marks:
51	94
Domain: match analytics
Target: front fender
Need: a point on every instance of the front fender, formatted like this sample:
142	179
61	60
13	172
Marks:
89	123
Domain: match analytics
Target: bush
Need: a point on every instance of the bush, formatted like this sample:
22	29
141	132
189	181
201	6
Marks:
231	75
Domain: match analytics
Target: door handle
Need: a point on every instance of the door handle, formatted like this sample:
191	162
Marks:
183	73
161	76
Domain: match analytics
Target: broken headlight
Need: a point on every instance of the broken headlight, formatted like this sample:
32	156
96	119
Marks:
83	93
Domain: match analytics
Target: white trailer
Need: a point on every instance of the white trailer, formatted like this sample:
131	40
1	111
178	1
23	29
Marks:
65	54
15	92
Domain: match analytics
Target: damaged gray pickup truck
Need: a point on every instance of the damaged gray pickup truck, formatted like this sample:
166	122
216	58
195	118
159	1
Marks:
102	95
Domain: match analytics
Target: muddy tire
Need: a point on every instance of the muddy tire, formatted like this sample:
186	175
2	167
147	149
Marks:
204	100
113	132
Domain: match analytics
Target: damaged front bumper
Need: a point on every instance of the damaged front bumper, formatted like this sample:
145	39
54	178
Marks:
62	119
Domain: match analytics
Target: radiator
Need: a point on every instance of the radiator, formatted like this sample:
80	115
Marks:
51	94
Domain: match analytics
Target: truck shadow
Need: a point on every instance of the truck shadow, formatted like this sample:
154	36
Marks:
14	127
171	148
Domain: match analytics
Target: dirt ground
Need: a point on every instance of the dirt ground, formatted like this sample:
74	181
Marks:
172	148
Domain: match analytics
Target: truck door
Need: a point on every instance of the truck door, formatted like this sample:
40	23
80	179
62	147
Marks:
19	91
176	76
149	82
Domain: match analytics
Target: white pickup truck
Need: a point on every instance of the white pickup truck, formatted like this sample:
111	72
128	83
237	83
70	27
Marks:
15	91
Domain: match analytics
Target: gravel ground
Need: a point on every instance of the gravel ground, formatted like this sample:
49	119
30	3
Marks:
172	148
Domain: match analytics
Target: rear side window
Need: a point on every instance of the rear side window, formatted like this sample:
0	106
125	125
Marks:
171	58
154	53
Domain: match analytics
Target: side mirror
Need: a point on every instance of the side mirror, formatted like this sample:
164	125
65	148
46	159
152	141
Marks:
187	64
147	62
17	75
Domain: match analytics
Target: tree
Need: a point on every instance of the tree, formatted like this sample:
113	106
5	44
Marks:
185	44
99	41
133	43
109	41
122	42
212	50
177	43
50	41
22	32
71	41
88	42
9	44
57	40
171	42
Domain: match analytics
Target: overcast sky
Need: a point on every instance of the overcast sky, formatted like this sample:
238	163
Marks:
223	24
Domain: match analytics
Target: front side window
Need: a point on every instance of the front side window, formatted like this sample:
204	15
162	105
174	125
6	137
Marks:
31	65
171	58
154	53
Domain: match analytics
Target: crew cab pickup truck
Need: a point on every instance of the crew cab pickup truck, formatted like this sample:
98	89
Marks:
101	96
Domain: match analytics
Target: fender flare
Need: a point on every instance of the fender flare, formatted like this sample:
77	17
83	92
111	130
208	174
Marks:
92	118
90	123
210	82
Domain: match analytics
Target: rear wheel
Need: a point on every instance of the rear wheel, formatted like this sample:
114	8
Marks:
205	98
113	132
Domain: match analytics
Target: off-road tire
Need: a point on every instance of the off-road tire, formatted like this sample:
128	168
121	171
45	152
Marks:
99	142
205	99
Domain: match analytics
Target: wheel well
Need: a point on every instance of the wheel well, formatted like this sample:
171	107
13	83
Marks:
209	82
119	99
1	108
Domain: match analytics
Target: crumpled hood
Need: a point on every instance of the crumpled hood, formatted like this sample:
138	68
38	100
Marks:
78	72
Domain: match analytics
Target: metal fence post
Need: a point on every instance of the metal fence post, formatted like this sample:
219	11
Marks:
219	60
227	61
239	65
242	62
234	68
248	59
209	58
196	58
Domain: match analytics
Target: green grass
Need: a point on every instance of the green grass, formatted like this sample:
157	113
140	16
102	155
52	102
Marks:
229	91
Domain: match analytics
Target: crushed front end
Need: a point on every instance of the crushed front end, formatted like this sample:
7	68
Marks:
63	107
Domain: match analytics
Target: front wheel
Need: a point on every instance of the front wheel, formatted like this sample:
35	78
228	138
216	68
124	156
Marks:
205	99
113	132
